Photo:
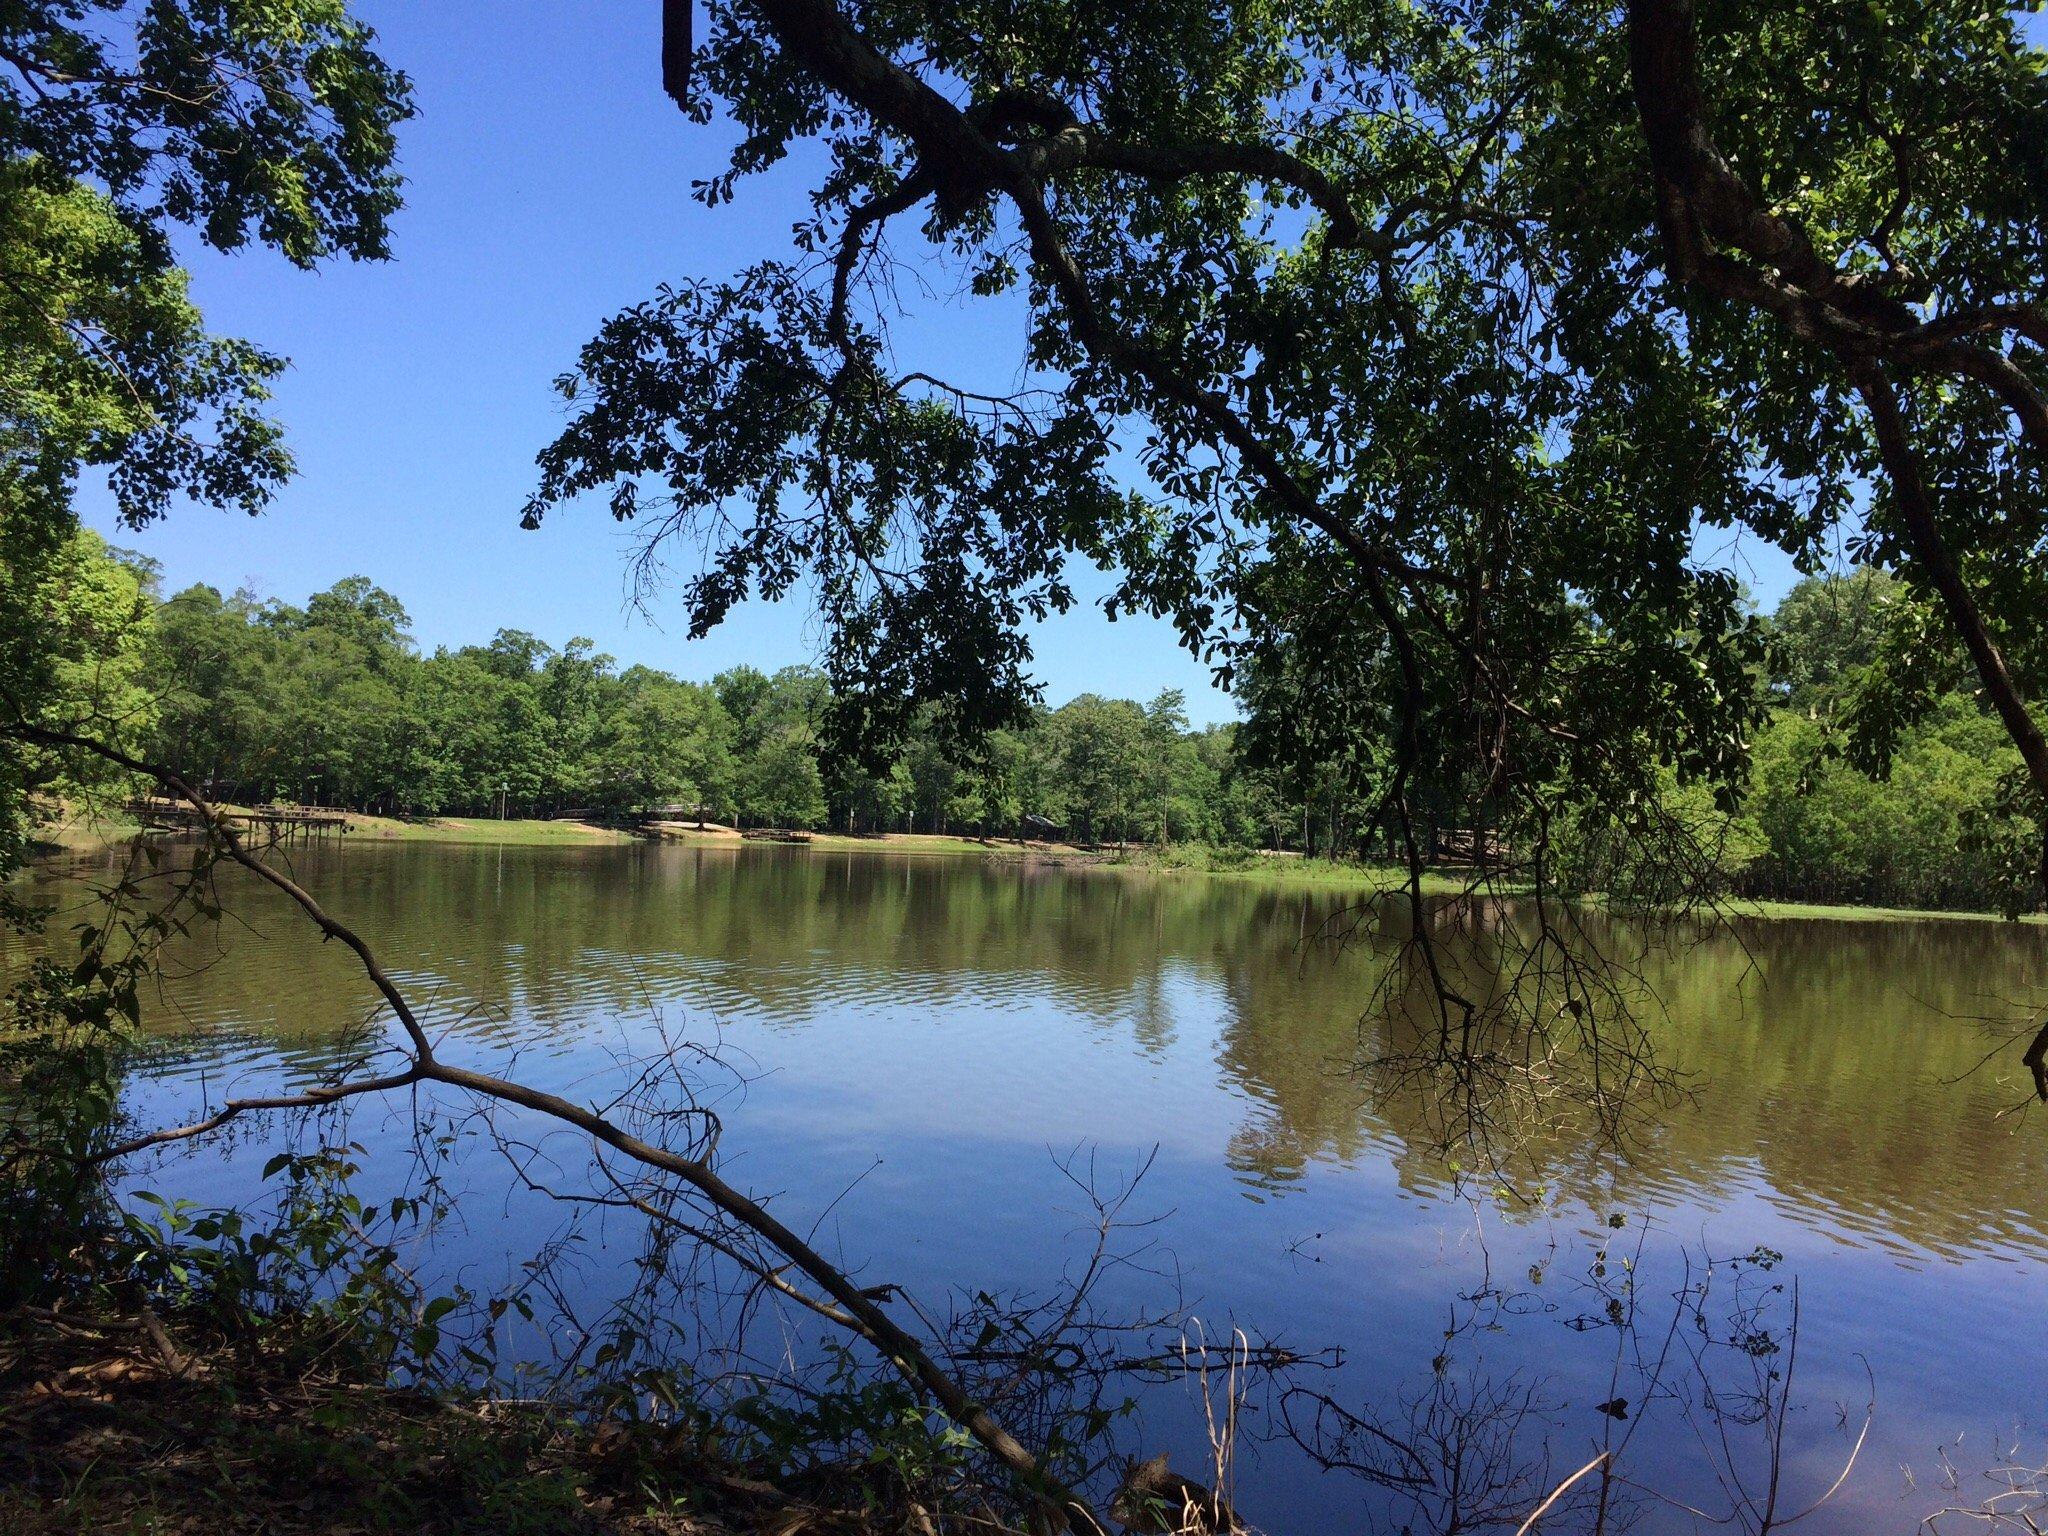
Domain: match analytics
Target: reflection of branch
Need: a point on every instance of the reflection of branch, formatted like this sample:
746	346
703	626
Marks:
1057	1503
2020	1505
626	1200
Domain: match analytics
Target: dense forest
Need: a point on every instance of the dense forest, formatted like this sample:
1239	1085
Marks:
333	703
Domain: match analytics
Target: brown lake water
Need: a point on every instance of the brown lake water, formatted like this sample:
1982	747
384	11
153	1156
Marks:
924	1039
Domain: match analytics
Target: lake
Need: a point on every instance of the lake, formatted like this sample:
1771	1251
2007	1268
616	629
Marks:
915	1046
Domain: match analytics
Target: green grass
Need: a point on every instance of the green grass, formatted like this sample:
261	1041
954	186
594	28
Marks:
1238	864
1331	874
478	829
1815	911
1180	859
840	842
1277	869
83	833
908	842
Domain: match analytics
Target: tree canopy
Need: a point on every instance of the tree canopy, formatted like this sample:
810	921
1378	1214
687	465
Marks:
1431	335
121	127
331	701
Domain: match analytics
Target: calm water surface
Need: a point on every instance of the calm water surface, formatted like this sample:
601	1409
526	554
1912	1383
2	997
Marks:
923	1038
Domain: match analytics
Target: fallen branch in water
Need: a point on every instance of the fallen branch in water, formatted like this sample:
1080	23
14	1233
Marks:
1557	1493
850	1306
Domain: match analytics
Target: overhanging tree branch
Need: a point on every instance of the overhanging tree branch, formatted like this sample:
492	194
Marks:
1706	210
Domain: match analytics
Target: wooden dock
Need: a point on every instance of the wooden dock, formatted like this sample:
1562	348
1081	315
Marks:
270	821
774	835
1481	847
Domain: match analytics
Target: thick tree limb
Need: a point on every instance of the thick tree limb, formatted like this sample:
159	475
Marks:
957	152
1909	491
952	150
1705	210
676	16
1215	157
1700	197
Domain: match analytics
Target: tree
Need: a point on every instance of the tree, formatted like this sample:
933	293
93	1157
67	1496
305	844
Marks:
743	693
212	667
577	691
273	126
1250	808
1829	630
119	127
484	737
667	744
1464	309
998	785
359	611
934	781
1100	756
1930	833
90	608
781	786
862	799
335	680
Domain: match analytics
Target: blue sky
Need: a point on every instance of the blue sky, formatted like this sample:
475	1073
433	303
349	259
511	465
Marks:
548	186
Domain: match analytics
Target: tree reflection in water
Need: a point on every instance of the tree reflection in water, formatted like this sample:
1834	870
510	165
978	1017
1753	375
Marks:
953	1019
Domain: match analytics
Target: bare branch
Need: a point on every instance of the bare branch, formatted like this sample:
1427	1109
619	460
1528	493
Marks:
865	1317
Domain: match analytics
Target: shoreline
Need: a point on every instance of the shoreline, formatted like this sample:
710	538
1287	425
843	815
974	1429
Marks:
108	1432
86	835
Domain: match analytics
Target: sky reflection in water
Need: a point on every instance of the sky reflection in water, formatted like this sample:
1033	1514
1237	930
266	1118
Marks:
926	1037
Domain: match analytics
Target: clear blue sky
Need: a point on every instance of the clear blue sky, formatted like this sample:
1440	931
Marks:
548	186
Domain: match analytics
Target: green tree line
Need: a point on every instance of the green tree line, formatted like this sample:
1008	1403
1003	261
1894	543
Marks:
333	703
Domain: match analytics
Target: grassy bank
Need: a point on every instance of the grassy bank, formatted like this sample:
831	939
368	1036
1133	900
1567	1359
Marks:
1806	911
1136	858
481	829
840	842
1293	870
1280	869
84	833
